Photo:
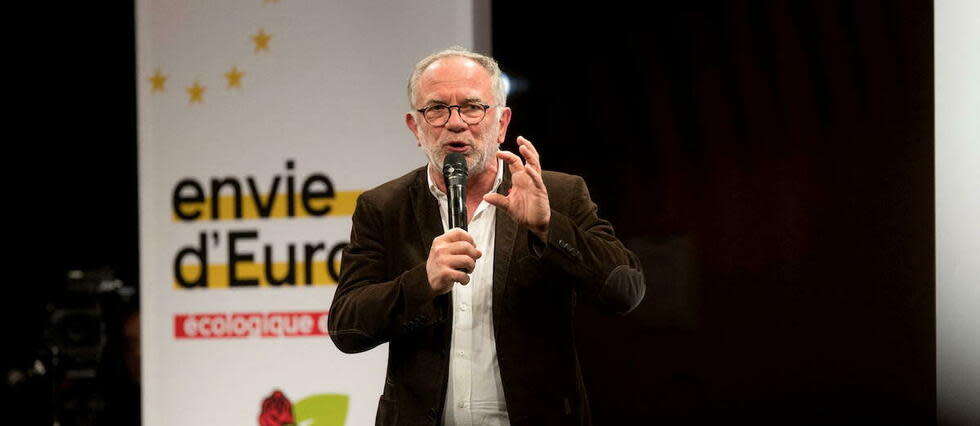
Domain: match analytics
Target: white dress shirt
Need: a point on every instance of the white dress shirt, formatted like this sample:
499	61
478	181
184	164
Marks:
475	394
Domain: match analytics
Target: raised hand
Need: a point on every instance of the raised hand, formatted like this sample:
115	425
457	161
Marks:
527	201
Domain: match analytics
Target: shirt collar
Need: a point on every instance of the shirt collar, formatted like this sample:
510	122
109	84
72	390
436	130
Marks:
439	194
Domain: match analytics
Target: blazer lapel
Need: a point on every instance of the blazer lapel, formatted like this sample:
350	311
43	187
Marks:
504	238
426	210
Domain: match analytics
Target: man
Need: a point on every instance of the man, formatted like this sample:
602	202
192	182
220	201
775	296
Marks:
480	322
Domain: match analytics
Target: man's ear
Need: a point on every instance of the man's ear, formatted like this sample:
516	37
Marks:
413	127
503	122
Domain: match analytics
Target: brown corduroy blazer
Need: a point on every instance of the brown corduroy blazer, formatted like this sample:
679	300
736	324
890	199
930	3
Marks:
384	296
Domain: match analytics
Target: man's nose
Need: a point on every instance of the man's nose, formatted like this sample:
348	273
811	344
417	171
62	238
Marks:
456	123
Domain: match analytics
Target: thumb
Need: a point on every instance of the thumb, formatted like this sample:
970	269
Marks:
497	200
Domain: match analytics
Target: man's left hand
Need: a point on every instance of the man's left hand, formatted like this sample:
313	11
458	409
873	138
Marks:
527	201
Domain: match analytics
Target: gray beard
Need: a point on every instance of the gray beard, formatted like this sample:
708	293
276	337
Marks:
475	164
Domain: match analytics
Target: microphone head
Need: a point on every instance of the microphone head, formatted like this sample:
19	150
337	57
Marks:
454	165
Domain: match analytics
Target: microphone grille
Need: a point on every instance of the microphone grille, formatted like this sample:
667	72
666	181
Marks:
454	164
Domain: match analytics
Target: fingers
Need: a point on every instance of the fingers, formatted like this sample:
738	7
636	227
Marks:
536	178
458	276
526	149
456	234
460	263
456	241
460	248
529	152
516	166
497	200
529	156
514	162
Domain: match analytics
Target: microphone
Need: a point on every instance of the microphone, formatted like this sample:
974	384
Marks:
454	174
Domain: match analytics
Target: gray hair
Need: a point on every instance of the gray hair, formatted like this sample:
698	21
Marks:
488	63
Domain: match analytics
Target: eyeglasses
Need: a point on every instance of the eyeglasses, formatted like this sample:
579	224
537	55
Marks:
438	115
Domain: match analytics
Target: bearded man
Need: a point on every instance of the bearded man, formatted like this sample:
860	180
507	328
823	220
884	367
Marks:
479	322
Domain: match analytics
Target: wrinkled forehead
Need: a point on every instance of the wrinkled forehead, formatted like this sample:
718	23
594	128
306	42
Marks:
454	77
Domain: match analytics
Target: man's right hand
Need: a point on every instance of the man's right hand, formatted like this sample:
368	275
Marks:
451	254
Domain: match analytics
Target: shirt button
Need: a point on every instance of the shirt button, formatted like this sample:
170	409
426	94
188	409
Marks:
463	307
460	404
460	353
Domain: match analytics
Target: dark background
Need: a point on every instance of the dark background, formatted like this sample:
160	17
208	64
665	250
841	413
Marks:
770	162
71	156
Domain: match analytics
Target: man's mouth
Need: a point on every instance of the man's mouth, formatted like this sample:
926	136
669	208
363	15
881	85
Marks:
457	146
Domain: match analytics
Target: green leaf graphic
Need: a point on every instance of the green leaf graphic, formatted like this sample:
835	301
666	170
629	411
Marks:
321	410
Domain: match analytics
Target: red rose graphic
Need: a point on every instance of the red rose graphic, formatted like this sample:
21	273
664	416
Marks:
276	411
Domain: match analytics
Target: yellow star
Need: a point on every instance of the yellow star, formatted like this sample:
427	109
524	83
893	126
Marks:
158	81
261	41
234	77
196	93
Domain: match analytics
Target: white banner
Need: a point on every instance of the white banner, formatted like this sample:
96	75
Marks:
259	124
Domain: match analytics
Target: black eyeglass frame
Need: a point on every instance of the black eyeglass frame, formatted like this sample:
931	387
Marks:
459	111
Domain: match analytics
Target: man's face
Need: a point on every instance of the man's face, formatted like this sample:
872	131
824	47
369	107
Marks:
456	80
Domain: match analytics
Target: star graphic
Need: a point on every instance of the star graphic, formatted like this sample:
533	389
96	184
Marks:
234	77
196	93
261	40
158	81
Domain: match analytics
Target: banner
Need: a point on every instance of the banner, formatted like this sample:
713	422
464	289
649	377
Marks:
260	122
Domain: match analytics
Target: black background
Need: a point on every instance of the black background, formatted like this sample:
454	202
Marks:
770	162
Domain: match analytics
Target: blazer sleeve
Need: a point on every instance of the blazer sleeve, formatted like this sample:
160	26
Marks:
369	308
583	248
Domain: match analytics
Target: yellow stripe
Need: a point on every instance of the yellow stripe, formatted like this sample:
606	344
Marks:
218	274
341	205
